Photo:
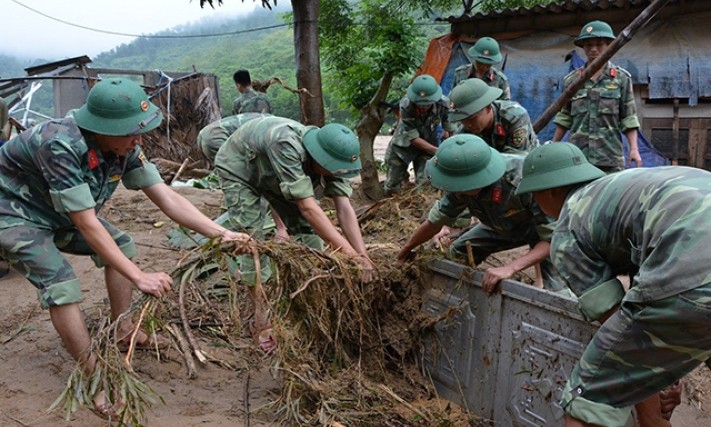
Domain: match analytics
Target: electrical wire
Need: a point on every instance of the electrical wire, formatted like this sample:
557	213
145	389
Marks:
153	36
156	36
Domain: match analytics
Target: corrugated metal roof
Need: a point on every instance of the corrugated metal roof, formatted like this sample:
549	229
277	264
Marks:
666	54
557	7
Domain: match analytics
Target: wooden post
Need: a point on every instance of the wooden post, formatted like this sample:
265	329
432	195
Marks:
622	38
675	134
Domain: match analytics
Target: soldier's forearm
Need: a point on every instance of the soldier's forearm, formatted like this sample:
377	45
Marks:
423	145
537	254
631	135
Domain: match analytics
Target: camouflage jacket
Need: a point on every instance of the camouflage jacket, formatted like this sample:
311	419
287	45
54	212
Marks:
54	168
268	155
497	205
426	126
512	131
494	78
3	118
598	113
651	223
252	101
212	136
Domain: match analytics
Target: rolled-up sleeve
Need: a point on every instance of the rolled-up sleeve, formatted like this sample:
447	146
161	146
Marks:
587	274
338	187
73	199
140	173
445	212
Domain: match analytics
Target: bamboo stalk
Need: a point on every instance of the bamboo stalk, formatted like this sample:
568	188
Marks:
404	402
180	170
132	341
246	400
307	283
470	255
622	38
186	324
185	348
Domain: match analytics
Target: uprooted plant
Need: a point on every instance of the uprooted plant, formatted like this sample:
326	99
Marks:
348	352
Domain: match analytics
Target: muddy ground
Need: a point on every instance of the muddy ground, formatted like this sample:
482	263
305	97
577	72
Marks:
34	366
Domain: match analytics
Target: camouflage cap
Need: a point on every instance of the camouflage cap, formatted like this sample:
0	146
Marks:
594	30
486	50
118	107
335	148
556	164
424	90
469	97
465	162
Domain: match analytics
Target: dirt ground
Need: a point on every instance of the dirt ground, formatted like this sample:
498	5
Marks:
35	366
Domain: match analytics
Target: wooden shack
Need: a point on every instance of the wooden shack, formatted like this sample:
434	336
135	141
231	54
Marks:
668	59
189	101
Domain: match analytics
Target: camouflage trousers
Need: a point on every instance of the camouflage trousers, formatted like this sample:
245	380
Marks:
639	351
35	251
485	241
249	215
397	160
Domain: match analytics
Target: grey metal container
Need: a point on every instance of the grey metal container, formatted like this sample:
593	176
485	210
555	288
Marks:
505	356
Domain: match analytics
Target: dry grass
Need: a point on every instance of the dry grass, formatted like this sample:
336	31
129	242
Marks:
349	353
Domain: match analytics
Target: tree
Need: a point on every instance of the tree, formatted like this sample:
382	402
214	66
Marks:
366	46
306	47
490	5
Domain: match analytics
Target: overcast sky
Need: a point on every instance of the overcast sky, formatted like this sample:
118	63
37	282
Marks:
28	34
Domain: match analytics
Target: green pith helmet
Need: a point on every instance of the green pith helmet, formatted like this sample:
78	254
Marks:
465	162
556	164
335	148
594	30
118	107
424	90
486	50
469	97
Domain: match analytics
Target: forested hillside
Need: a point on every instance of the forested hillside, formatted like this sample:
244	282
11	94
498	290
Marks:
244	44
260	42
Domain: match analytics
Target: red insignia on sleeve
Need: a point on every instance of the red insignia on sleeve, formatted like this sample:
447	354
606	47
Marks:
93	159
500	129
496	196
613	72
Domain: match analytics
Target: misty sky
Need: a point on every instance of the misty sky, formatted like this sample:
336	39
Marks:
28	34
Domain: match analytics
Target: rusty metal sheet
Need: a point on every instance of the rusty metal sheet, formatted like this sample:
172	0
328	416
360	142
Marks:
506	356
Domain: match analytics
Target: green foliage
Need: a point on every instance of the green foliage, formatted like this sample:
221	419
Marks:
362	42
265	53
491	5
43	98
11	66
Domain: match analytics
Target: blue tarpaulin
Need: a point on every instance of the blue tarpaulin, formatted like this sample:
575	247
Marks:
536	81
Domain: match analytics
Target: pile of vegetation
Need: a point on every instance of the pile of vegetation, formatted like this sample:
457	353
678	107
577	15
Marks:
349	353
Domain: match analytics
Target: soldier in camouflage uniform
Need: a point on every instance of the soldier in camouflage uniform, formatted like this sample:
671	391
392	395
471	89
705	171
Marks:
251	101
484	54
284	161
54	179
3	119
504	125
478	178
652	224
416	137
4	267
214	135
602	108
